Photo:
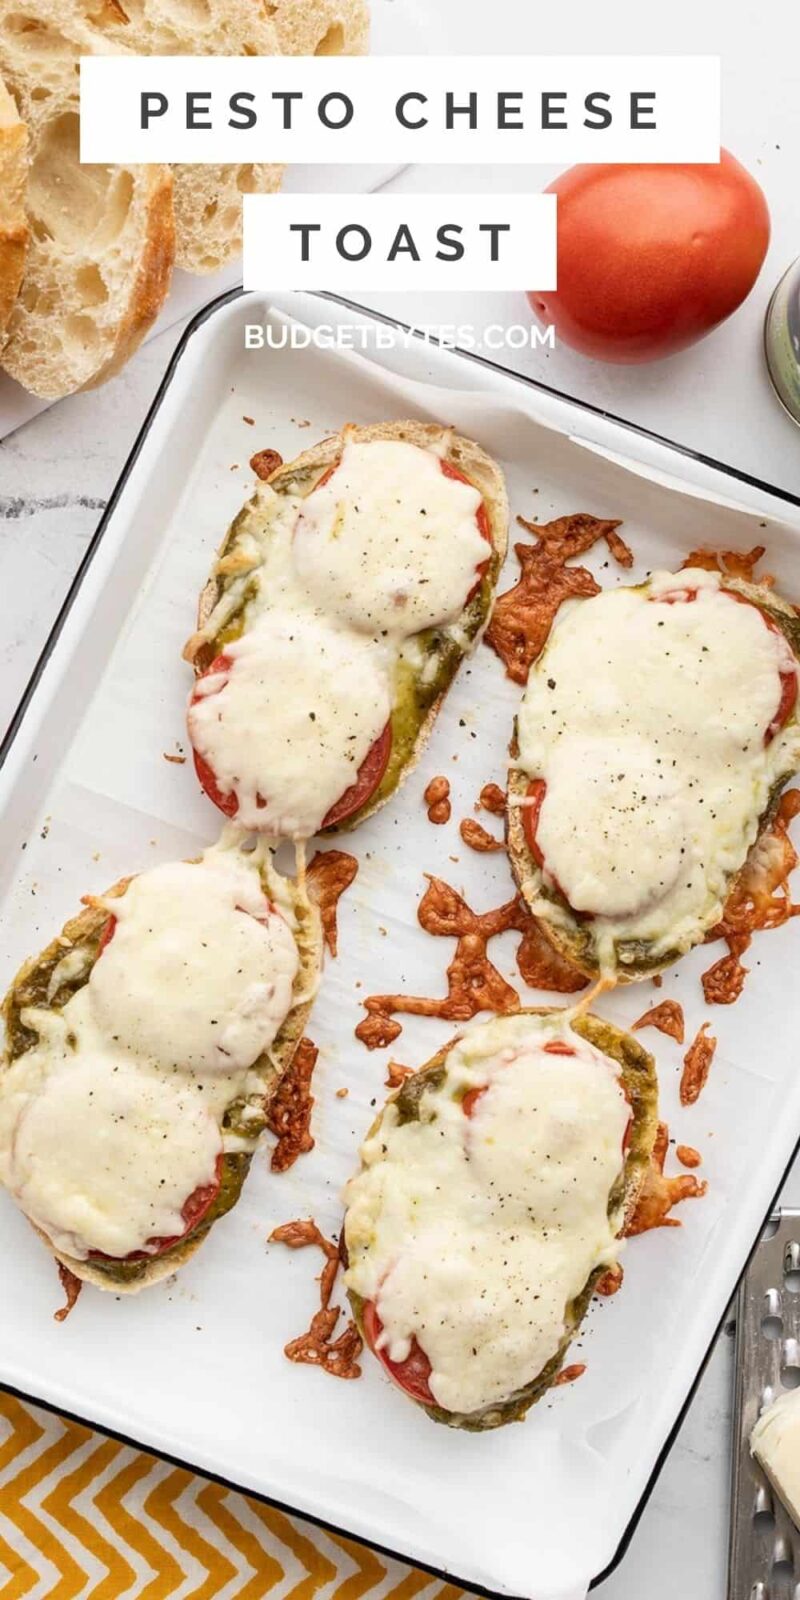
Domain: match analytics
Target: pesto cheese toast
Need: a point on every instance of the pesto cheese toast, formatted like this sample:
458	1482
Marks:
142	1048
343	600
656	731
493	1190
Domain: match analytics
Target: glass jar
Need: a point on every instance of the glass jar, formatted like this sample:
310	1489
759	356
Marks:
782	340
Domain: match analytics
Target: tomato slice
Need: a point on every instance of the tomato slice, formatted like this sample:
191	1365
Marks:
411	1375
788	694
106	936
481	515
554	1048
193	1211
530	817
471	1099
481	518
227	803
786	705
675	597
370	773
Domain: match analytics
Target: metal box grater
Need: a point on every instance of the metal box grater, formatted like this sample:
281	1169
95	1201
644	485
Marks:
764	1559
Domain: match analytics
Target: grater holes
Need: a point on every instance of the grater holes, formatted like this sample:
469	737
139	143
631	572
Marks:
791	1266
759	1591
763	1514
782	1585
772	1320
790	1364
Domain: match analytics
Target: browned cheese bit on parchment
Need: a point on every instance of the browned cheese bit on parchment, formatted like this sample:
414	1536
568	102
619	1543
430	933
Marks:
289	1111
330	872
760	899
317	1347
667	1017
659	1193
473	982
72	1287
697	1065
523	616
437	800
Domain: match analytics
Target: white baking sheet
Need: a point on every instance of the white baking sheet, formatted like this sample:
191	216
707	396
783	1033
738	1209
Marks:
195	1368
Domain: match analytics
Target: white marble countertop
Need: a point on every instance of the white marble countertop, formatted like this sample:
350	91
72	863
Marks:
57	472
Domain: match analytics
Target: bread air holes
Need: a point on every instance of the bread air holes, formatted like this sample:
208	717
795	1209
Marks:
90	287
80	336
71	204
31	34
98	16
43	302
332	42
185	15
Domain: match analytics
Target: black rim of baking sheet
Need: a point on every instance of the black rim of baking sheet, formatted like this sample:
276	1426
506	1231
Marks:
735	473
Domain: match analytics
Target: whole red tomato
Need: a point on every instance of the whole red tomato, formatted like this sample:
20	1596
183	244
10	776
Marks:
650	258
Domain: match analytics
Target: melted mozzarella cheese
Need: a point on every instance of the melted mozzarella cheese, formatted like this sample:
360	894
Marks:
199	972
647	720
114	1117
336	588
291	722
104	1155
390	544
775	1443
472	1234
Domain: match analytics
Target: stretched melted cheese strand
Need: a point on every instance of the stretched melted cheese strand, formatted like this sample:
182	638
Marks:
389	544
472	1234
647	723
775	1443
113	1119
293	719
199	972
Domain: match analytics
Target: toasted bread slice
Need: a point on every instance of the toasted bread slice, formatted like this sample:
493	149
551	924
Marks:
574	936
102	238
224	600
640	1083
208	199
73	953
14	231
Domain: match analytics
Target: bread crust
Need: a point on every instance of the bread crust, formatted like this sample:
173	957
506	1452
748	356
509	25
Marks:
641	1085
83	931
567	937
14	230
302	474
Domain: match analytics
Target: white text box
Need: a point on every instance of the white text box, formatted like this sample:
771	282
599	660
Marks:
443	109
370	242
